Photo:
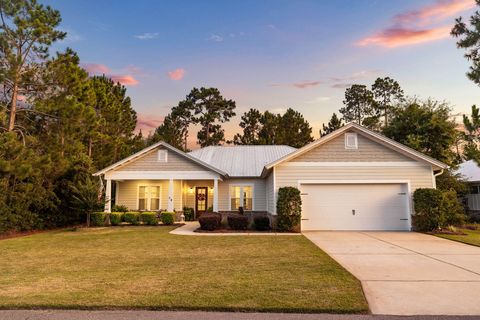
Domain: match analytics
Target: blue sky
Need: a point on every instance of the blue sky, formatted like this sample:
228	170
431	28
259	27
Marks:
269	55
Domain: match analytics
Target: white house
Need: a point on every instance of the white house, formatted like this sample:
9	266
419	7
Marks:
351	179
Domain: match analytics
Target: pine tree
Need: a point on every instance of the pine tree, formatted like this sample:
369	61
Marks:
332	125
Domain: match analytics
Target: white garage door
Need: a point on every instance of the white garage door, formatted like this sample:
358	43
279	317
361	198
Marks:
354	207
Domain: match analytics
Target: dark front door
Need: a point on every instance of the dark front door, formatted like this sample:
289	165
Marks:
201	200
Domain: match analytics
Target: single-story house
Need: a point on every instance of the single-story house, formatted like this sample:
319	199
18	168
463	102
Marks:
470	172
350	179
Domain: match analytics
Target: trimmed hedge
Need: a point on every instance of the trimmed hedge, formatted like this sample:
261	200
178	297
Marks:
237	222
261	223
132	217
149	218
97	219
116	218
210	221
289	209
167	218
189	214
435	209
119	208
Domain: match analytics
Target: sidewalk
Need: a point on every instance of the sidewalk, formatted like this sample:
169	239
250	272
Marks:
188	315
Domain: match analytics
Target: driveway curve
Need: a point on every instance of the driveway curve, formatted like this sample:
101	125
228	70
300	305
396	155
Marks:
408	273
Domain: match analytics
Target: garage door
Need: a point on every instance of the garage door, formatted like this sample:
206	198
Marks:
354	207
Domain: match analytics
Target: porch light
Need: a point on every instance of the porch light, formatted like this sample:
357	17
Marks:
190	190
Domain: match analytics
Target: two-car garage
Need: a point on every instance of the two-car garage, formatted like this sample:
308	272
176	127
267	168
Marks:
355	206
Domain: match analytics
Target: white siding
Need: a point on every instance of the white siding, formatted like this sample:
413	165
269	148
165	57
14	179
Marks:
149	162
419	176
367	151
269	189
259	193
128	193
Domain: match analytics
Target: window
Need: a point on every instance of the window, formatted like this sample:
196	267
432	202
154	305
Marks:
155	198
351	141
142	196
241	196
149	198
474	189
162	155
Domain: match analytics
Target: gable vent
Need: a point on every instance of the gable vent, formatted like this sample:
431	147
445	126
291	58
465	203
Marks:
351	141
162	155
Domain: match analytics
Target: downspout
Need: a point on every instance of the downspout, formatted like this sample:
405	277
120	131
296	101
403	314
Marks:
438	173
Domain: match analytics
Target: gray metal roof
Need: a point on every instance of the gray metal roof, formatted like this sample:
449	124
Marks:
241	161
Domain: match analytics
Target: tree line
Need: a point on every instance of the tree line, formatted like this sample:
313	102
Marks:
58	125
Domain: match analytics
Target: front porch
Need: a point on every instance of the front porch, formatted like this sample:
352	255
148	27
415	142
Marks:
163	194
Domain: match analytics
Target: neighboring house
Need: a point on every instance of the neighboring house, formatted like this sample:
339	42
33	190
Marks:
351	179
470	172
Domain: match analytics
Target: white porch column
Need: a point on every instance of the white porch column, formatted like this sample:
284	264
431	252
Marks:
170	196
215	195
108	196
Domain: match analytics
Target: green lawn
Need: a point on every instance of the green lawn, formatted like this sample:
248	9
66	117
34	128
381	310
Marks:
472	237
146	267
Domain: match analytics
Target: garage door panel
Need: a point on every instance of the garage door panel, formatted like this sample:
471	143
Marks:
377	207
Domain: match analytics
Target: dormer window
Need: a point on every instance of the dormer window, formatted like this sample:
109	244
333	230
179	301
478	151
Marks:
162	155
351	141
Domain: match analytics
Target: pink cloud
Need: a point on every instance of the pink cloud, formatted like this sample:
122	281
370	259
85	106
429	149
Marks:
176	74
306	84
126	79
418	26
396	37
298	85
148	123
440	10
96	68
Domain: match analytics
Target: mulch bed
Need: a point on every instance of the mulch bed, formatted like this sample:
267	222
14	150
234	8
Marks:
236	231
449	232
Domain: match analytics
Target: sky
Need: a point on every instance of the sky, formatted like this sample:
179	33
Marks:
269	54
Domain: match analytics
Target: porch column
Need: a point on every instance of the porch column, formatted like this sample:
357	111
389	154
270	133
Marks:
108	196
215	195
170	196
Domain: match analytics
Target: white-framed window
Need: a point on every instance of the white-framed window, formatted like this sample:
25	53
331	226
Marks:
149	197
162	155
241	196
351	141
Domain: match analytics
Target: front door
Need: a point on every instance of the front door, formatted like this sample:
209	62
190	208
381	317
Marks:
201	200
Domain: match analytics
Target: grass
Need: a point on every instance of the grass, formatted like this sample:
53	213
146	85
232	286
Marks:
148	268
471	237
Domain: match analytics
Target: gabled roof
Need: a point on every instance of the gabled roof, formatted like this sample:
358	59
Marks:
372	135
152	147
469	170
241	161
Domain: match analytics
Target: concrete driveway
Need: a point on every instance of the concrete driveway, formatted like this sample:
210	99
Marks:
408	273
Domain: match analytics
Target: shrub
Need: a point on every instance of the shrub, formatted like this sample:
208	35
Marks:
289	208
435	209
116	218
149	218
119	208
167	218
189	214
97	219
452	211
210	221
132	217
237	222
262	223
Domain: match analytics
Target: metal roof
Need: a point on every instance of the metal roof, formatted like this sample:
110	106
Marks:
241	161
469	170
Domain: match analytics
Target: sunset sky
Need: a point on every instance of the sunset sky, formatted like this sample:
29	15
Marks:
269	55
